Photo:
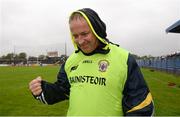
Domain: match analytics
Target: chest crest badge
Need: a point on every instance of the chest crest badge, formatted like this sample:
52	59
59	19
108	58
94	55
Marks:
103	65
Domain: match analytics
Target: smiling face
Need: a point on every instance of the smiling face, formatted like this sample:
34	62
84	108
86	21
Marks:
83	36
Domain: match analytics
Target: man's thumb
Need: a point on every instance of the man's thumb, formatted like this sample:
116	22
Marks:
39	78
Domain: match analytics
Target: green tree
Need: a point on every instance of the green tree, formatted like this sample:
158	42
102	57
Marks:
22	55
10	56
41	57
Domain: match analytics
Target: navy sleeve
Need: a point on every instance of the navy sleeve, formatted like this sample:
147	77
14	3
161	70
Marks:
137	99
58	91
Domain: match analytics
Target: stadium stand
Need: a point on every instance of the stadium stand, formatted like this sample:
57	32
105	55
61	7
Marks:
175	28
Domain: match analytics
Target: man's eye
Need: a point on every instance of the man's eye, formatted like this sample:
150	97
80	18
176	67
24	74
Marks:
75	36
84	34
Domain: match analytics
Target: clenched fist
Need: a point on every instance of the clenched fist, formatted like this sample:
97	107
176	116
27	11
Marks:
35	86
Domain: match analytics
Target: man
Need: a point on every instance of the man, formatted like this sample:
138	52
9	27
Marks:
99	78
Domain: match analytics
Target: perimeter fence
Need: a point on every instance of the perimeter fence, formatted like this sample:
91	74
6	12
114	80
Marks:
170	64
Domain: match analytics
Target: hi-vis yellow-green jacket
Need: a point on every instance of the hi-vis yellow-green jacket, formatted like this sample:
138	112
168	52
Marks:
96	83
106	82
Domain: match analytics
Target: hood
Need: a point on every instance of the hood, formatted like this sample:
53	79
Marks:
97	26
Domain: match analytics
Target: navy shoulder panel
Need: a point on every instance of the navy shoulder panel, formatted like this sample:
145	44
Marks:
135	91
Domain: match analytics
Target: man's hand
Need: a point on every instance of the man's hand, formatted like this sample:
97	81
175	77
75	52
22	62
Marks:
35	86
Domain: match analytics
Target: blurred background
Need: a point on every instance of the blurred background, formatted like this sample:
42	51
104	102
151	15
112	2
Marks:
35	40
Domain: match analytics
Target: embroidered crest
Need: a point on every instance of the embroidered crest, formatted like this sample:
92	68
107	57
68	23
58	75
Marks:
103	64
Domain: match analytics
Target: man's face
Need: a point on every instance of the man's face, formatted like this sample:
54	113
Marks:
83	36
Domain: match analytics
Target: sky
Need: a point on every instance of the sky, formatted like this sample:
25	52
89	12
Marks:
39	26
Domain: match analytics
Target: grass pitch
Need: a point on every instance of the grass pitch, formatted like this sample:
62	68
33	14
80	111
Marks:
16	99
166	97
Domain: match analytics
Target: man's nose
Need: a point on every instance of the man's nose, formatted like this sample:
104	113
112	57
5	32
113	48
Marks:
80	41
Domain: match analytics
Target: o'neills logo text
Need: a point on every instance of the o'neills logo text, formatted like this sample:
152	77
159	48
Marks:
88	79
